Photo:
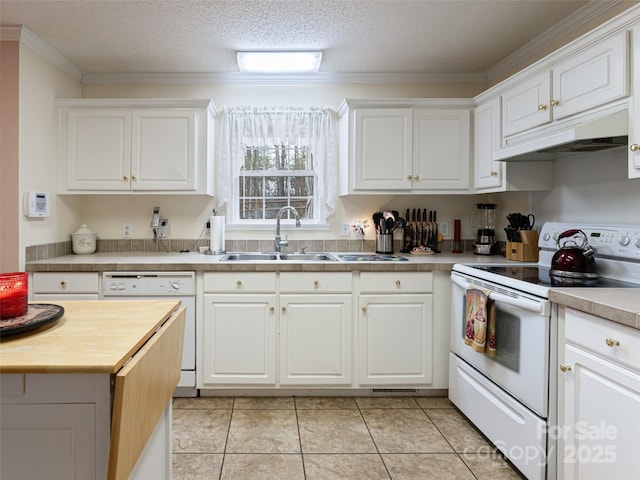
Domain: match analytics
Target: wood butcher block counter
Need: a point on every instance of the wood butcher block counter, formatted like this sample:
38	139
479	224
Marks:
127	354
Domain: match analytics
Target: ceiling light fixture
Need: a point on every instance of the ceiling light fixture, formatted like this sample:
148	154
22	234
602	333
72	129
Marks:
279	62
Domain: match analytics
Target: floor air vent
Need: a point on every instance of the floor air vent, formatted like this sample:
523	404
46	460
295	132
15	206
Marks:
394	390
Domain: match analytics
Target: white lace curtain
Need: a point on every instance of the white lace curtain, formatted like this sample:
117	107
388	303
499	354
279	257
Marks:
267	126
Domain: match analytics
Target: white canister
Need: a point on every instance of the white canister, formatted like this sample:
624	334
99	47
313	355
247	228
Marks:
83	241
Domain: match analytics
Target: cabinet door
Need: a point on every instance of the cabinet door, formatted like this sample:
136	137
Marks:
382	149
527	105
593	77
163	149
634	112
395	340
315	339
487	173
600	419
98	149
239	344
441	149
52	441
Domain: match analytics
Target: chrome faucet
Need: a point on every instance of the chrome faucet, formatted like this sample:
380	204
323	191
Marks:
283	243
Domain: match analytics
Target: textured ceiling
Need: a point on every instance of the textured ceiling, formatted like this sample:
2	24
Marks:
356	36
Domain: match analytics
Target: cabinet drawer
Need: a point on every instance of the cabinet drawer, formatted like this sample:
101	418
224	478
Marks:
69	282
309	282
240	282
609	339
396	282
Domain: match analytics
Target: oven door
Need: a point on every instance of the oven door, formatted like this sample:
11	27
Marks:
521	363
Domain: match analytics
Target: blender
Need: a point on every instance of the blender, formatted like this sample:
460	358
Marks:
484	220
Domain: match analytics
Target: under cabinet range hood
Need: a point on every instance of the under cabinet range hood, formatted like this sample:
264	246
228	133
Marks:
589	133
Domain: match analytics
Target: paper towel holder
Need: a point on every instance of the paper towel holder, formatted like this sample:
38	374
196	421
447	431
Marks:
209	251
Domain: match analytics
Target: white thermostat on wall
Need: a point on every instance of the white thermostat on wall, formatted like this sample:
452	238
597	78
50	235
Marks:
37	204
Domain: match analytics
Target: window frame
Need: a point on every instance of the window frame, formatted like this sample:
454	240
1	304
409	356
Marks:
235	204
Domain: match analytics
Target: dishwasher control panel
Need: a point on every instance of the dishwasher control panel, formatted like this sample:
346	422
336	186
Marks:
162	284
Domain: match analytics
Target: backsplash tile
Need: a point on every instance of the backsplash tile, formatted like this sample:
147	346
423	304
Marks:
57	249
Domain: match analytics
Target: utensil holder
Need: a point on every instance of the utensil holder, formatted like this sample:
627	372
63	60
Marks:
384	243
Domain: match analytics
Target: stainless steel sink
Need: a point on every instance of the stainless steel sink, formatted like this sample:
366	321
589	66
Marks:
308	257
300	257
249	257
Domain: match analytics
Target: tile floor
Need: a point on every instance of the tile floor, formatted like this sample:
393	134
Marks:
312	438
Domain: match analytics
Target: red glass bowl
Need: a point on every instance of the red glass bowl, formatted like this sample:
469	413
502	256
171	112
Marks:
14	294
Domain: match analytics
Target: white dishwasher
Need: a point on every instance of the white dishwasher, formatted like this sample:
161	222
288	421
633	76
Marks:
156	286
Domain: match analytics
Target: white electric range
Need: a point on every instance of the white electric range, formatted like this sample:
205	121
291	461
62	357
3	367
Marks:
511	397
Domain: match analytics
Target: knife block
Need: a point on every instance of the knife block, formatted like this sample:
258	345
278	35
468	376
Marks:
525	251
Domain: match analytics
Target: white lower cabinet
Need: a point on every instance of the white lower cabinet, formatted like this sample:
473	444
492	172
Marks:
315	339
316	328
60	286
239	339
395	325
302	329
60	436
239	332
58	427
599	398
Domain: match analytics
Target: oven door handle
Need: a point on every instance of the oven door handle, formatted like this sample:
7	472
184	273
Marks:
530	305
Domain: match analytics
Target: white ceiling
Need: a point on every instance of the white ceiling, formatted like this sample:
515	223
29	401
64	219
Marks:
460	38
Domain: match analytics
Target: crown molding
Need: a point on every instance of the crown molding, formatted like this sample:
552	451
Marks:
523	55
25	36
10	34
265	79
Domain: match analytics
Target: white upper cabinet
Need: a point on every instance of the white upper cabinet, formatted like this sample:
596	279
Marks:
593	77
491	175
139	146
487	173
382	149
634	112
527	105
441	149
586	79
404	146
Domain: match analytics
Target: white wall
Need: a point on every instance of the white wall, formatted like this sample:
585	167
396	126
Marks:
40	84
591	188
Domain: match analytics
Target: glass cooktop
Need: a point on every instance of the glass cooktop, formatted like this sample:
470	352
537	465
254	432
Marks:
538	275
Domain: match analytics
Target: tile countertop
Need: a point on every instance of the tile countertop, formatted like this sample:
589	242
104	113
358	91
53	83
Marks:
192	261
621	305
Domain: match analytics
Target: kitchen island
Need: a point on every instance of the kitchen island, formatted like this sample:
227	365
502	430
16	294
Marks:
88	395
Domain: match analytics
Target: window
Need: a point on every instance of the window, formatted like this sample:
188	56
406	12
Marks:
274	157
274	177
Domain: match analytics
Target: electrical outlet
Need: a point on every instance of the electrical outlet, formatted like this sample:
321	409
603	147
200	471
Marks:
345	229
127	230
443	228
